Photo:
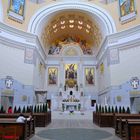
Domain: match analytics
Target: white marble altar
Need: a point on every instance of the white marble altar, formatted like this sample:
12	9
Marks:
71	99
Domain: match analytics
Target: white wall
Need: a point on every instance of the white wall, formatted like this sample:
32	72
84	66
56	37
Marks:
12	64
39	77
128	67
103	78
1	11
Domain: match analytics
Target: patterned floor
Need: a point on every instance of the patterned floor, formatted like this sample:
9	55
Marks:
73	127
74	134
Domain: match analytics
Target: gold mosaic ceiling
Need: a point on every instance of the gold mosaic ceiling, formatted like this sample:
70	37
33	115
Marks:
74	24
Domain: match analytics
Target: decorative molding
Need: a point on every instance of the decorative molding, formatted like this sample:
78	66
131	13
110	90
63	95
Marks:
98	13
37	1
121	40
113	56
71	51
29	55
16	38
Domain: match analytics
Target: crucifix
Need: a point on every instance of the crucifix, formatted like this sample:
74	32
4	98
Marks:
8	83
135	84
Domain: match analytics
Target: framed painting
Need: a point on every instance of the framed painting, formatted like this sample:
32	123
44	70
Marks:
89	76
52	76
71	75
16	10
127	10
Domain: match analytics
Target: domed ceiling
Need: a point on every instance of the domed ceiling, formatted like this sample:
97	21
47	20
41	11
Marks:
69	28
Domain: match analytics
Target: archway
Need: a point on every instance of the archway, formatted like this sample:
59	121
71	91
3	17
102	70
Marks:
95	15
40	18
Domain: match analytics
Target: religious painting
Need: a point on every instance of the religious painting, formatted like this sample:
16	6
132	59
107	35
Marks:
127	10
102	68
16	10
52	75
71	75
89	76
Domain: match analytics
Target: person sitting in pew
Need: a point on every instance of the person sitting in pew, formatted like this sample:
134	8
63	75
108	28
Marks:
10	110
22	118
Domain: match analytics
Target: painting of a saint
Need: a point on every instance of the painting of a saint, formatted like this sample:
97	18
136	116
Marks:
16	9
71	74
52	75
89	76
70	71
127	9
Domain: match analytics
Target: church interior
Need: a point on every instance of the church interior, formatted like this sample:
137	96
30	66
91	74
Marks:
75	61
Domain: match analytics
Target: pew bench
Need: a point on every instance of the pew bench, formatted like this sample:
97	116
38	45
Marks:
132	129
9	128
121	127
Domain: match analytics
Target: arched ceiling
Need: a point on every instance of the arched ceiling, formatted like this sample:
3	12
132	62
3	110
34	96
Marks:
74	25
69	22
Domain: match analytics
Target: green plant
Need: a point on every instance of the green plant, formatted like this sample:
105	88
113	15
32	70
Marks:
38	110
97	110
15	109
123	110
116	109
2	110
112	109
103	111
120	109
109	109
100	108
19	110
35	110
23	110
128	110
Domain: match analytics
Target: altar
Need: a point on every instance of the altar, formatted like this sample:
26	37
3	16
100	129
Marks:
67	106
71	99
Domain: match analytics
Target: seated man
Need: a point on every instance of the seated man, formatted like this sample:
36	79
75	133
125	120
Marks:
22	118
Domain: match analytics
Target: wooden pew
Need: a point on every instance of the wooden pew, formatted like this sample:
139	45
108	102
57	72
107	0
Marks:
103	119
42	119
20	128
23	131
132	129
121	130
96	117
117	117
106	120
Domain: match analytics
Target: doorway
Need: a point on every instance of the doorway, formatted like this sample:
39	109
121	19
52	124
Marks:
7	101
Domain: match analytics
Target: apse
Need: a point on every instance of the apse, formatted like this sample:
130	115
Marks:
73	28
64	22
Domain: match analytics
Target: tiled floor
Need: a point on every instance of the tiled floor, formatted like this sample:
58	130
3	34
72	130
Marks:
79	120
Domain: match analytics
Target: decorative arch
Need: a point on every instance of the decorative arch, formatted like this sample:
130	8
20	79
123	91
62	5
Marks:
1	11
102	17
71	51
